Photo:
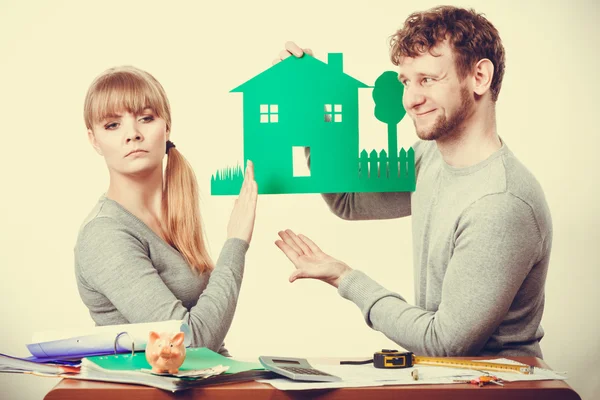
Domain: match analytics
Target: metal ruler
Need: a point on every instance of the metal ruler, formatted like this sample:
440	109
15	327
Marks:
456	363
395	359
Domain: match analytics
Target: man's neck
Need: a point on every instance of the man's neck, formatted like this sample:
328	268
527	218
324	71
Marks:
475	141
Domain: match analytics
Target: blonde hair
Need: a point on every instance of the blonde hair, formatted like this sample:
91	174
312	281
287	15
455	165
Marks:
133	90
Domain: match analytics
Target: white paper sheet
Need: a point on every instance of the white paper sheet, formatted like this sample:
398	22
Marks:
539	374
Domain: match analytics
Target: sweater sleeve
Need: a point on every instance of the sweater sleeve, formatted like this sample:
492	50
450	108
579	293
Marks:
115	263
497	241
377	205
368	206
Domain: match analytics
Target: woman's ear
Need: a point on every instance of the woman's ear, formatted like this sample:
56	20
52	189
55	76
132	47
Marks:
94	142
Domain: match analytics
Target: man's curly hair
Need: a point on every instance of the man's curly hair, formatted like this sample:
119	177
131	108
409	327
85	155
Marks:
470	35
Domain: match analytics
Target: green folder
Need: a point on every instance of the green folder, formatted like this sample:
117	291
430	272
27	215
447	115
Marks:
127	368
195	359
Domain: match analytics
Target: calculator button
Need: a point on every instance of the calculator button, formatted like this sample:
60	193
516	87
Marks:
305	371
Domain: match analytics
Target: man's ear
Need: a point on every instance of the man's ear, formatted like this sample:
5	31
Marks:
482	79
94	142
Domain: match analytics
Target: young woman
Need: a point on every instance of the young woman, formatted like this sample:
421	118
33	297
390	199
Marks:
140	255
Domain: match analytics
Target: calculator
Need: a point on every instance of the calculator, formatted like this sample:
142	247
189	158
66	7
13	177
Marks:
297	369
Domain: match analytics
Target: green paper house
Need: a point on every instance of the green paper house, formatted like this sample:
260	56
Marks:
296	104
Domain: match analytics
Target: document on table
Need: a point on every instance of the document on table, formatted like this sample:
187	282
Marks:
539	374
368	375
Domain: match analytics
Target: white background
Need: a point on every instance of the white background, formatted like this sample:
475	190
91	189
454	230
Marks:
51	178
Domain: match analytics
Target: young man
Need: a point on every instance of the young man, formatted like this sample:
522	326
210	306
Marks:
482	230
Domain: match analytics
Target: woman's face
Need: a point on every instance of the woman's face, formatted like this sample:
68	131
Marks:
131	144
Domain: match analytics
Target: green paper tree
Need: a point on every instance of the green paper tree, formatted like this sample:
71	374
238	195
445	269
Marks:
387	94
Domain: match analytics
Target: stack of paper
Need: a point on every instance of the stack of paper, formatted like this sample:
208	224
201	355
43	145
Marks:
105	354
16	364
201	367
192	373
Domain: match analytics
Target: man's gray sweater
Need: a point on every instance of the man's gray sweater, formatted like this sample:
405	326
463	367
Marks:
481	245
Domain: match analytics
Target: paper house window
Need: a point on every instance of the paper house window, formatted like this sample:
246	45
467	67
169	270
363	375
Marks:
333	112
269	113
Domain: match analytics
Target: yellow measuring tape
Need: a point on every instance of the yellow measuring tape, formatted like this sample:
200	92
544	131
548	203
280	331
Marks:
395	359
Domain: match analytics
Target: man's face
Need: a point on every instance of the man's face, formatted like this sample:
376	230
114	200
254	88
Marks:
434	96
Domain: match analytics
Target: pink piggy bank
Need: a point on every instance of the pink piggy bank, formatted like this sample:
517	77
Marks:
165	352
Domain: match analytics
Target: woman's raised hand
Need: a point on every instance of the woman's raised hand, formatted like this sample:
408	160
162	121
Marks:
241	222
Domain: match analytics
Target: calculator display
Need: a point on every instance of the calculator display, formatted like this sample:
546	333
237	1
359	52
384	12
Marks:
285	361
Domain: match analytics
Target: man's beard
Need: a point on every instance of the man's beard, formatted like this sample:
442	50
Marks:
445	127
